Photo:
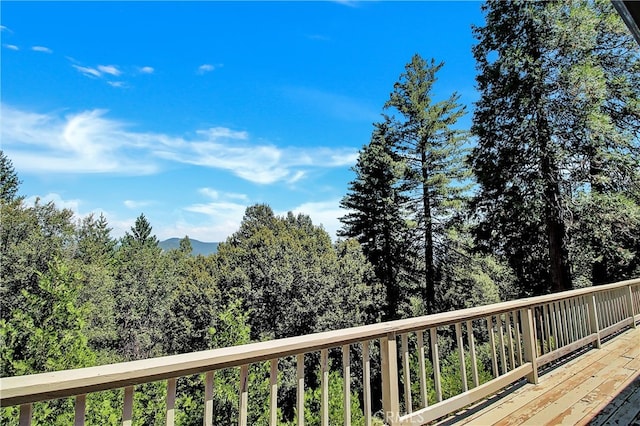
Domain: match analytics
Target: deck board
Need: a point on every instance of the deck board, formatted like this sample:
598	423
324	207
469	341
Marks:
571	393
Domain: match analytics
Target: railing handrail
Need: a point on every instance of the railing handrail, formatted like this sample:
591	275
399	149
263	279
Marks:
59	384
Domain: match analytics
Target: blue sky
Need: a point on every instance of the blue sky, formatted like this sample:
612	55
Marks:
189	112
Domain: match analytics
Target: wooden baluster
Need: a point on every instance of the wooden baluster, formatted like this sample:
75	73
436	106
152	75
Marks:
423	373
208	399
599	310
273	392
577	318
127	410
516	318
510	340
79	410
572	320
530	352
547	326
567	322
390	394
539	325
463	368
171	401
554	328
560	325
433	338
243	396
614	307
609	308
324	384
25	414
472	352
619	306
503	355
622	306
366	383
628	295
346	370
300	390
492	342
585	316
407	375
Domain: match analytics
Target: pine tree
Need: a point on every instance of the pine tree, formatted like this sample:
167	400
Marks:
432	149
141	233
558	117
375	204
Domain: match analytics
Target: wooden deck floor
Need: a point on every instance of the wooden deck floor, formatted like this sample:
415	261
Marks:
601	386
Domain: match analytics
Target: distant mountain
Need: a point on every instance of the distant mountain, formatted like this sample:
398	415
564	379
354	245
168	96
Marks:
199	247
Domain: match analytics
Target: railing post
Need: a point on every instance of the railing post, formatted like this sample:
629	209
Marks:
629	297
593	319
208	399
80	408
127	409
25	414
530	351
390	395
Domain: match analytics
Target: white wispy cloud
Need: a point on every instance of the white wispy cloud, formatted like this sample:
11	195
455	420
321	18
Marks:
133	204
73	205
3	29
205	68
146	70
216	195
42	49
109	69
11	46
102	72
88	71
215	219
349	3
85	142
89	142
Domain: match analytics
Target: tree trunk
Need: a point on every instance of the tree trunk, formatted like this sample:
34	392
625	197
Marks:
560	275
429	285
599	268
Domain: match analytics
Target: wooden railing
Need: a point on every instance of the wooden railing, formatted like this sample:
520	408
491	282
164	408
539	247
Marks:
520	336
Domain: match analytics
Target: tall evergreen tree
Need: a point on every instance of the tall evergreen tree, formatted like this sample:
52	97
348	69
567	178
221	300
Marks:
141	233
432	148
375	203
554	79
599	64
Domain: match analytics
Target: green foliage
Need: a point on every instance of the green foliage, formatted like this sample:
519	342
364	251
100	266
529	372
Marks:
287	272
313	398
605	239
375	203
558	116
46	334
30	239
194	304
471	278
9	182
